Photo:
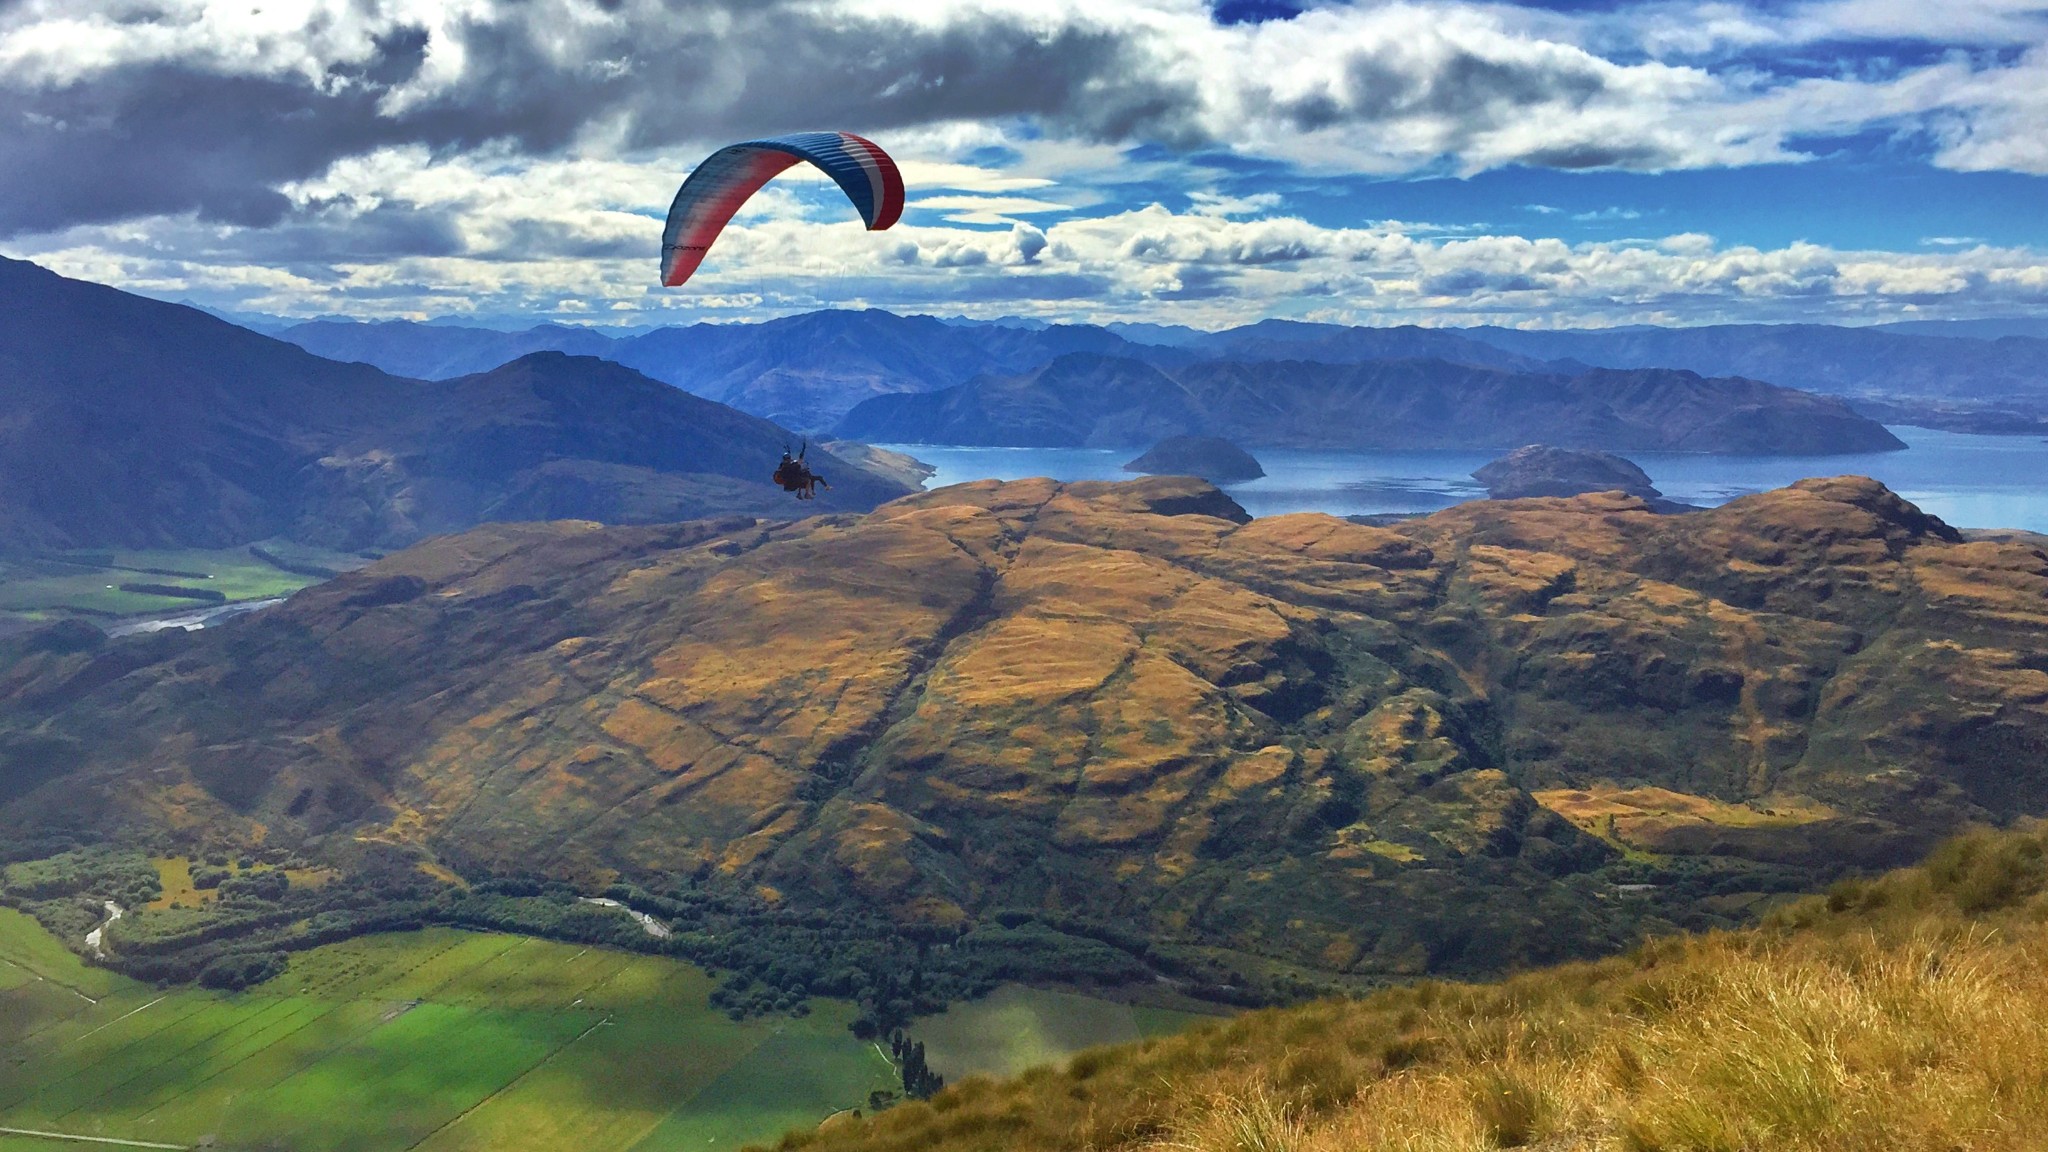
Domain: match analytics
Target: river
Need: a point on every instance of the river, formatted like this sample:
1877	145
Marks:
1968	480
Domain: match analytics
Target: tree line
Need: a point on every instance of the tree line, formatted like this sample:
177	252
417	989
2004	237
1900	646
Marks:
770	957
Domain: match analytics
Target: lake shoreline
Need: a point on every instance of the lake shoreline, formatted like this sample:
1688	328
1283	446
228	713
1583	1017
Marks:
1970	480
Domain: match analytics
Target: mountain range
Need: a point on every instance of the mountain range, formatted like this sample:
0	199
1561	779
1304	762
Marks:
808	371
1820	358
803	371
129	422
135	423
1086	400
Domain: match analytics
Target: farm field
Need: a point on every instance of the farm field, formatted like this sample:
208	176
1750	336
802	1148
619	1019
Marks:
51	586
1016	1027
437	1040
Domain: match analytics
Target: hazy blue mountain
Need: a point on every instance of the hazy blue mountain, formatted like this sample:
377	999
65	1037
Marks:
2030	326
1817	357
1164	335
253	321
1102	401
132	422
439	352
809	370
805	371
1337	344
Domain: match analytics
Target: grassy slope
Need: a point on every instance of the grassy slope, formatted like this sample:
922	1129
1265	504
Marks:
1901	1014
439	1040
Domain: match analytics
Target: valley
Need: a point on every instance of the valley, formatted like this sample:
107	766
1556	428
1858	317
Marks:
444	1040
120	586
582	1046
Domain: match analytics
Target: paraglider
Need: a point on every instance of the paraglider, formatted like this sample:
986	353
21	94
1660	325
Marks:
726	179
794	475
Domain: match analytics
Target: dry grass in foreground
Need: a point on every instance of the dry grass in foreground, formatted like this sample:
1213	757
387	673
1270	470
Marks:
1907	1013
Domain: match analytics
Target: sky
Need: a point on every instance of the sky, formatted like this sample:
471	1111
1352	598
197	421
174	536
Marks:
1567	164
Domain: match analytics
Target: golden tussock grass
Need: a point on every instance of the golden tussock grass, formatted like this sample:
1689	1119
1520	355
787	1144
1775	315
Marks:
1904	1014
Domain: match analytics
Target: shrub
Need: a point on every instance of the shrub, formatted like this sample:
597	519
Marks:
1511	1111
1320	1077
269	886
125	877
1985	873
236	972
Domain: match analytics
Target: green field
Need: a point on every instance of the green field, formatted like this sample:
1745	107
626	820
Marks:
436	1040
1015	1027
52	585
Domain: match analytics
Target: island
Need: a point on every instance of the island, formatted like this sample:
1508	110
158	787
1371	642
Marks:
1211	458
1544	470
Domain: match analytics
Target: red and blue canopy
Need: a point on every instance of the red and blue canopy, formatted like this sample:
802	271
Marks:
731	175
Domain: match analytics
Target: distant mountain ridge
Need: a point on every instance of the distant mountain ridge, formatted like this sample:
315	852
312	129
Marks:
810	370
135	423
1820	358
805	371
435	352
1085	400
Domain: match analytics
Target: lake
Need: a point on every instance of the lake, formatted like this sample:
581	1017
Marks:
1970	481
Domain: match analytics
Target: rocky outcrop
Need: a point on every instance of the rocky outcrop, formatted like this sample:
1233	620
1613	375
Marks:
1210	458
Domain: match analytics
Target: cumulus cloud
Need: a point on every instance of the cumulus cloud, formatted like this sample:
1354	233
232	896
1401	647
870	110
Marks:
425	157
120	108
1667	28
558	239
993	205
124	108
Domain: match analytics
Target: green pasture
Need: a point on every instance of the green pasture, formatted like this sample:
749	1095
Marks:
50	585
1015	1028
436	1040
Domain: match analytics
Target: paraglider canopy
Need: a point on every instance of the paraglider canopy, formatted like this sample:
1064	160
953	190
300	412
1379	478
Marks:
729	176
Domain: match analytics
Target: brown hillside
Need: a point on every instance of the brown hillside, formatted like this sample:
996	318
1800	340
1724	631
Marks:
1901	1014
1353	749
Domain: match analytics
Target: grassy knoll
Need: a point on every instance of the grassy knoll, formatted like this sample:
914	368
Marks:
181	890
174	873
1017	1027
1904	1013
438	1039
51	585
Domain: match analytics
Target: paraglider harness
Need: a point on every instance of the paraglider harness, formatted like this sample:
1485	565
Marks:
794	475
